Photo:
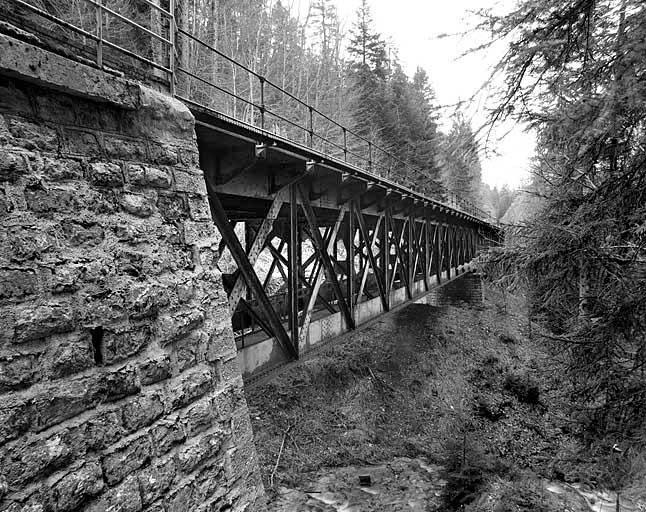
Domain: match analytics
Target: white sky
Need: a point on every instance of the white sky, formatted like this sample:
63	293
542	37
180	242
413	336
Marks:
413	27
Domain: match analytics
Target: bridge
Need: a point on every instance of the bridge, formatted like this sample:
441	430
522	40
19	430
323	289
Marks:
331	223
319	230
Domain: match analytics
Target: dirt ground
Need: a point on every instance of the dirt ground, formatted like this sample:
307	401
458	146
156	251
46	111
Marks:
427	409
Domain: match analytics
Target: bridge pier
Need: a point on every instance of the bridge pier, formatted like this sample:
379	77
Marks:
119	382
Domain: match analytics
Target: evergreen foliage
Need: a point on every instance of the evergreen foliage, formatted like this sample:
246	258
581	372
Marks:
576	71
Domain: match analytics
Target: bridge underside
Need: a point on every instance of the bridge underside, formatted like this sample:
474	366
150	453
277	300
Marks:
312	247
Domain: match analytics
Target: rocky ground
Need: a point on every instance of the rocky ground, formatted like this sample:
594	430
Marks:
452	408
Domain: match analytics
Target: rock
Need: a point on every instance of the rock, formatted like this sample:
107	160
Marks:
138	205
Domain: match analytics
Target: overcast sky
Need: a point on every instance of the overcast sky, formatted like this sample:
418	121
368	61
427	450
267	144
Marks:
413	26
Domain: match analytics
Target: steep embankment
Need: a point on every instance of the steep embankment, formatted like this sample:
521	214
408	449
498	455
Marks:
440	407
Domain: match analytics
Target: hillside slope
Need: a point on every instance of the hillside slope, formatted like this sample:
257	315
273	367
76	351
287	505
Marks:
440	407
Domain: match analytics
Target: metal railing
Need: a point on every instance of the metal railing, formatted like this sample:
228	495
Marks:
141	39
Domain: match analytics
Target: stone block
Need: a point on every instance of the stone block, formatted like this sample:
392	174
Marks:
105	174
65	399
189	386
17	283
122	342
181	498
125	497
12	99
101	430
6	204
201	233
172	207
196	451
65	278
58	199
31	62
185	291
18	371
78	486
147	176
155	369
12	166
82	234
28	459
33	136
119	383
230	370
142	410
198	417
211	483
36	322
20	244
138	205
166	434
174	326
191	182
17	415
146	300
70	356
155	480
57	108
57	169
124	149
125	457
80	143
199	209
163	154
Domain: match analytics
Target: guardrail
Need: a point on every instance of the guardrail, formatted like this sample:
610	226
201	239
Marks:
142	39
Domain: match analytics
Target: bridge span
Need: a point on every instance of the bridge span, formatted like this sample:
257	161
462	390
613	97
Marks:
322	229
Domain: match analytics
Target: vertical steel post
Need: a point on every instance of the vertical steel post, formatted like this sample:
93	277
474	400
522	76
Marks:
99	33
439	247
411	256
292	271
349	242
370	156
427	251
448	231
345	145
385	253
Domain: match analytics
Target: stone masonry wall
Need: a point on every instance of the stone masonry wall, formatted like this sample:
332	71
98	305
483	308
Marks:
466	288
119	386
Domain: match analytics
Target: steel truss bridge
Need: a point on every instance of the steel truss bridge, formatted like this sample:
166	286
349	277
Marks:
318	233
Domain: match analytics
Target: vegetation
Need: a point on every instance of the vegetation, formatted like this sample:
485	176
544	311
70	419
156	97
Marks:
575	71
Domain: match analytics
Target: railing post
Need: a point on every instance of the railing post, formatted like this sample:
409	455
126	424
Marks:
99	33
262	102
171	37
345	144
370	156
311	129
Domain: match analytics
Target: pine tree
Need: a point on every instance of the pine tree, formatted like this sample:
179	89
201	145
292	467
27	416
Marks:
576	71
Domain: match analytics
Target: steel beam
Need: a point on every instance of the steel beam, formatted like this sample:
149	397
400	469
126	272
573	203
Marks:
292	268
246	269
325	258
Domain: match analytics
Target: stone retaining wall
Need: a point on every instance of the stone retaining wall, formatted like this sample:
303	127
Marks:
466	288
119	386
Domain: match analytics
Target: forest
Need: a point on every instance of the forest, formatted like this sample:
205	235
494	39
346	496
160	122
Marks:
352	76
576	72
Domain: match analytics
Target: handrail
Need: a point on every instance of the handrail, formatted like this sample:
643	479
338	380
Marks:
346	142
